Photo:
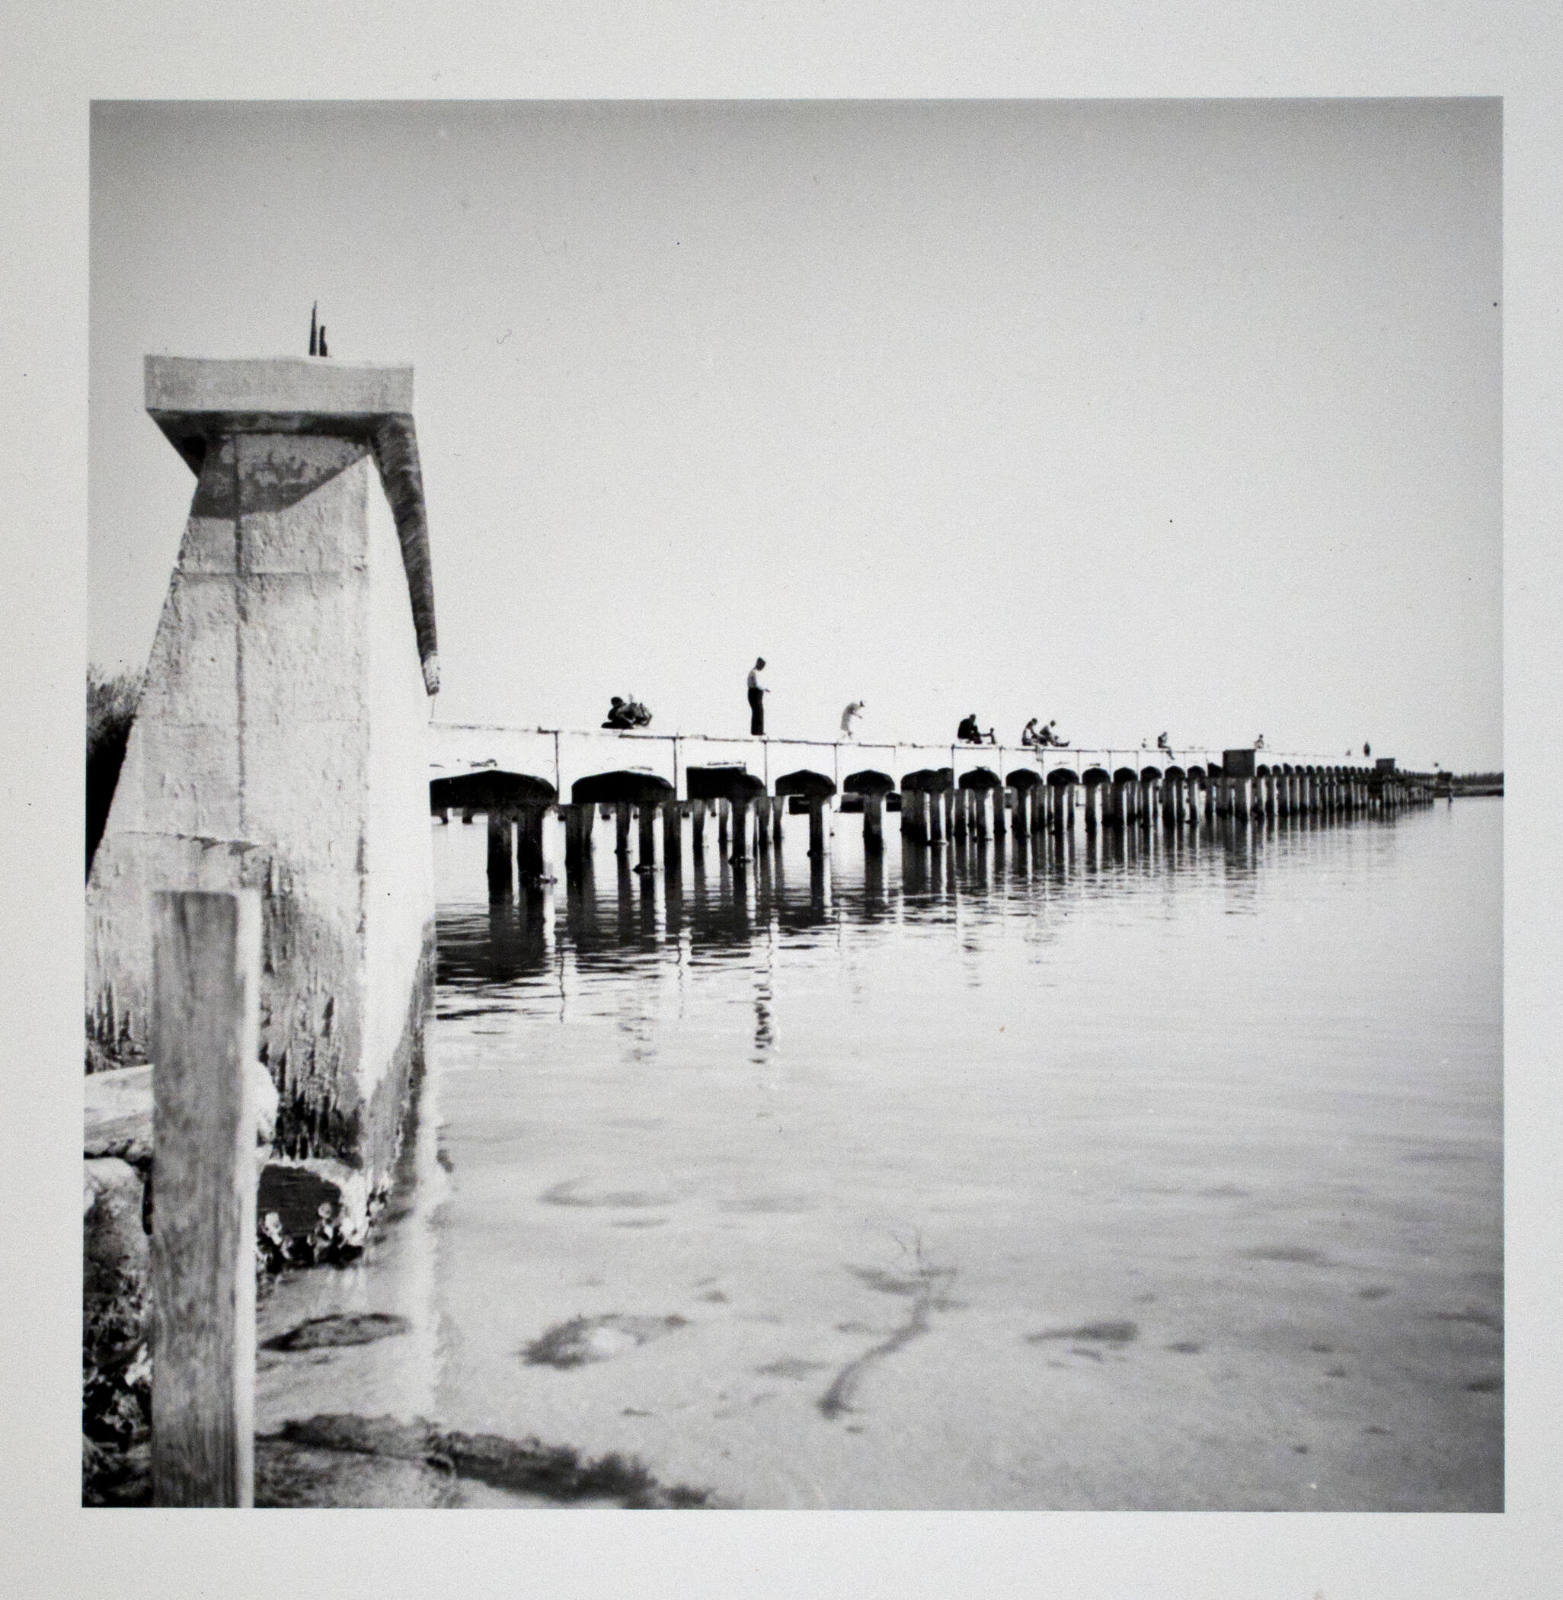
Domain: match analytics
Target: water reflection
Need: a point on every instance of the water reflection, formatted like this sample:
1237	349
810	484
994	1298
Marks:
619	916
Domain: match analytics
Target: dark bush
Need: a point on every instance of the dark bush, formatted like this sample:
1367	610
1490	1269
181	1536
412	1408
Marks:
111	708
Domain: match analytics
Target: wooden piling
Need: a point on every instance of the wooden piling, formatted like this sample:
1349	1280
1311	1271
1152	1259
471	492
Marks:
621	828
762	822
778	804
205	1042
739	808
932	806
724	809
697	827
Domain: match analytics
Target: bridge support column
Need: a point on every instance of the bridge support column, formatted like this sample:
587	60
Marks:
874	824
672	835
724	814
762	822
741	827
819	808
778	805
934	830
977	805
621	828
1000	816
501	856
534	842
646	815
697	827
578	836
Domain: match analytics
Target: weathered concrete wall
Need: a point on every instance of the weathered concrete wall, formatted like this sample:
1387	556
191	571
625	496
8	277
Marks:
278	745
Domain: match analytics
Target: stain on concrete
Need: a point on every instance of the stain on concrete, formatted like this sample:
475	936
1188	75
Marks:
1298	1254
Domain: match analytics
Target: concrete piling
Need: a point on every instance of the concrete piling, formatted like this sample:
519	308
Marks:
874	823
501	856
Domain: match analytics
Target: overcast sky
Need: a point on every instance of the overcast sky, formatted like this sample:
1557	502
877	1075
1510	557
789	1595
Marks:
1135	415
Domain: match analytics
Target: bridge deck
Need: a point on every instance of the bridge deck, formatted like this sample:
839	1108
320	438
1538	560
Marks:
562	757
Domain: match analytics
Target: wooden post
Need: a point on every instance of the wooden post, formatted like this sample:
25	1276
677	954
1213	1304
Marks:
1000	816
501	856
933	818
697	827
205	1042
723	824
977	804
739	806
873	823
778	811
762	822
621	828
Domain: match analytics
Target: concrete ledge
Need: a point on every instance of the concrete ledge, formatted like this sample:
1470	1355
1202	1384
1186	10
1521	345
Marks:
280	386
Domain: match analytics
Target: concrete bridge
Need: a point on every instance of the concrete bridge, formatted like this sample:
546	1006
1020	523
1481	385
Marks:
660	788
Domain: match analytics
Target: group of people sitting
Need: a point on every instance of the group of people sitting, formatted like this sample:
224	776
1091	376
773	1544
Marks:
1035	732
1046	735
624	713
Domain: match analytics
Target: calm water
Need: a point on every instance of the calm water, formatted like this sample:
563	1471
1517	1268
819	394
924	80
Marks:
1149	1178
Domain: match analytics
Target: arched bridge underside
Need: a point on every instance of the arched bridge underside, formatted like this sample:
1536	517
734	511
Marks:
661	790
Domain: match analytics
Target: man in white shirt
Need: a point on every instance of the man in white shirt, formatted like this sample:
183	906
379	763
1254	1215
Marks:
757	694
850	716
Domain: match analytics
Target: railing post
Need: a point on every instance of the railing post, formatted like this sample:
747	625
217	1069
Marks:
205	1042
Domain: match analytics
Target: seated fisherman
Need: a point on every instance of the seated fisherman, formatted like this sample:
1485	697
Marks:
618	716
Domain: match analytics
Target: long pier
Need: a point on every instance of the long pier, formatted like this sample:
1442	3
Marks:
658	789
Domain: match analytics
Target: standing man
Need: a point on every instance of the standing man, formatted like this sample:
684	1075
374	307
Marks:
757	694
849	718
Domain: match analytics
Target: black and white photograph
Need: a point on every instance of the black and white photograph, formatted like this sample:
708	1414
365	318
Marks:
838	768
817	800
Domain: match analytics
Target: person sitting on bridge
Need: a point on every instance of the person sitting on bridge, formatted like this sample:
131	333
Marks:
1259	743
1050	737
639	716
969	733
1029	734
618	717
1161	743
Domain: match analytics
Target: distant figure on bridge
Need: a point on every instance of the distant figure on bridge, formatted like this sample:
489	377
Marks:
969	733
1259	743
1367	749
1161	744
1029	734
757	694
849	717
624	714
1051	737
